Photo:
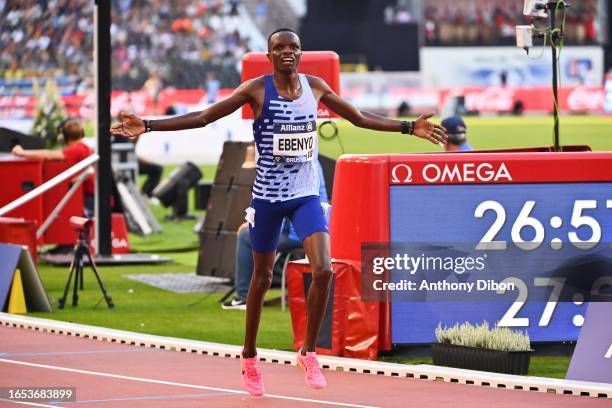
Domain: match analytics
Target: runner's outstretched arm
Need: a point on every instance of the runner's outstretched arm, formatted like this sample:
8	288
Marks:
422	127
132	126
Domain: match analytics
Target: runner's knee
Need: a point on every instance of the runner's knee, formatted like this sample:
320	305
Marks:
262	278
321	273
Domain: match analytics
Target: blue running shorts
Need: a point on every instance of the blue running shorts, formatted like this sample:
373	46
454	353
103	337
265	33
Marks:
265	220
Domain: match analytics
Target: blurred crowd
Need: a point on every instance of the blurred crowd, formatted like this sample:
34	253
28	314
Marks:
399	12
183	43
492	22
170	42
177	41
42	38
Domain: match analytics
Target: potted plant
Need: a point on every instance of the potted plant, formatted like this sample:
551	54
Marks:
477	347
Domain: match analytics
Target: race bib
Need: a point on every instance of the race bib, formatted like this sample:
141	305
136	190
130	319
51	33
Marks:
294	142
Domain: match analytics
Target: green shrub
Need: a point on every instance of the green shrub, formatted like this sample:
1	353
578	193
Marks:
497	338
49	112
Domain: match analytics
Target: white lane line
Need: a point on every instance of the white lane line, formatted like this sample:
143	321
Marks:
32	404
201	387
68	353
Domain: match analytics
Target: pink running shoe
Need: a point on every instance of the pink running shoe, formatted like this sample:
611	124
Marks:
251	376
310	364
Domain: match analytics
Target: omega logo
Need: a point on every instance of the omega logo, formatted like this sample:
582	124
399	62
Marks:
408	171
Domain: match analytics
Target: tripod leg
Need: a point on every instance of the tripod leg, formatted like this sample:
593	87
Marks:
108	299
78	258
62	300
227	294
81	277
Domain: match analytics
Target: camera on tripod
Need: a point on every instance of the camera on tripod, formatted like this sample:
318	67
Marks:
535	8
81	224
539	10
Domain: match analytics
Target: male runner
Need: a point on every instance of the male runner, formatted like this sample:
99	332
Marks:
285	109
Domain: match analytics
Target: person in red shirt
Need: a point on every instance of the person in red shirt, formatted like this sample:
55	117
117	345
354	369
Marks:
71	132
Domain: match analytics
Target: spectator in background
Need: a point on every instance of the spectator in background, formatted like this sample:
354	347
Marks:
403	110
146	167
153	87
13	73
396	12
457	135
234	6
260	13
212	87
590	27
153	171
402	16
71	133
503	78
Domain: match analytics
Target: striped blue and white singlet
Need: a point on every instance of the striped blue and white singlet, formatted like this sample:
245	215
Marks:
286	138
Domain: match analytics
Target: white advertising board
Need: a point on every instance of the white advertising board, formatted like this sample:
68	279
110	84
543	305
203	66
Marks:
443	67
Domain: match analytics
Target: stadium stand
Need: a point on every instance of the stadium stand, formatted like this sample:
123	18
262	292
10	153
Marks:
271	14
53	38
492	22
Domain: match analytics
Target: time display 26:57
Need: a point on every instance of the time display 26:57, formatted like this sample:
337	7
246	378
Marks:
528	232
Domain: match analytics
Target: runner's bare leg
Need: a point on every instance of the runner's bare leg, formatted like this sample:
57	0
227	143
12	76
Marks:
260	283
317	249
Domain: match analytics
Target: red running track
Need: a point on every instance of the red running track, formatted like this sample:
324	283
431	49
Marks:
116	375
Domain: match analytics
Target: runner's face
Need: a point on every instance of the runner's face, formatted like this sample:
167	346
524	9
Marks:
284	51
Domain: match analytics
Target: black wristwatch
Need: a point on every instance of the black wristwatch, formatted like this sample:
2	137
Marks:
407	127
147	125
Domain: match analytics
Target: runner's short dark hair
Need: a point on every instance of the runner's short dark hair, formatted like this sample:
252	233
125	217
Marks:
280	30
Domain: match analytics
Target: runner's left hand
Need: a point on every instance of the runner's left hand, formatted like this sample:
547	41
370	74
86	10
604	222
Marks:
424	129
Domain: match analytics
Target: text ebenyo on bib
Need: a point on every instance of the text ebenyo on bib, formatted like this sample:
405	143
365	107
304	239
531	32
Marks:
294	142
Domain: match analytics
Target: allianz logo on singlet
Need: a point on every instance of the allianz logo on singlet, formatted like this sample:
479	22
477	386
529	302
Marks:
296	127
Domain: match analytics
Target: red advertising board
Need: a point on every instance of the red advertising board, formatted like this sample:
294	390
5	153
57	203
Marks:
20	176
534	99
578	99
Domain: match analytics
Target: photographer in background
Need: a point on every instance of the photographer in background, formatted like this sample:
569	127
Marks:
457	135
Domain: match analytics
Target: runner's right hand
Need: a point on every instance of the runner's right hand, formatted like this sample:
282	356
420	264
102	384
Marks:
130	126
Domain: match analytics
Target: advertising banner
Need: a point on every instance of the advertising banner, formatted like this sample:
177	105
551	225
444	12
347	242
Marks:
444	67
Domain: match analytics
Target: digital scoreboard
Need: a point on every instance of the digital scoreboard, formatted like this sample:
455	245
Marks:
492	202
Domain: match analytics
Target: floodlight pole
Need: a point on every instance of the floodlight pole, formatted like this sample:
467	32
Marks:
555	35
553	7
102	62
